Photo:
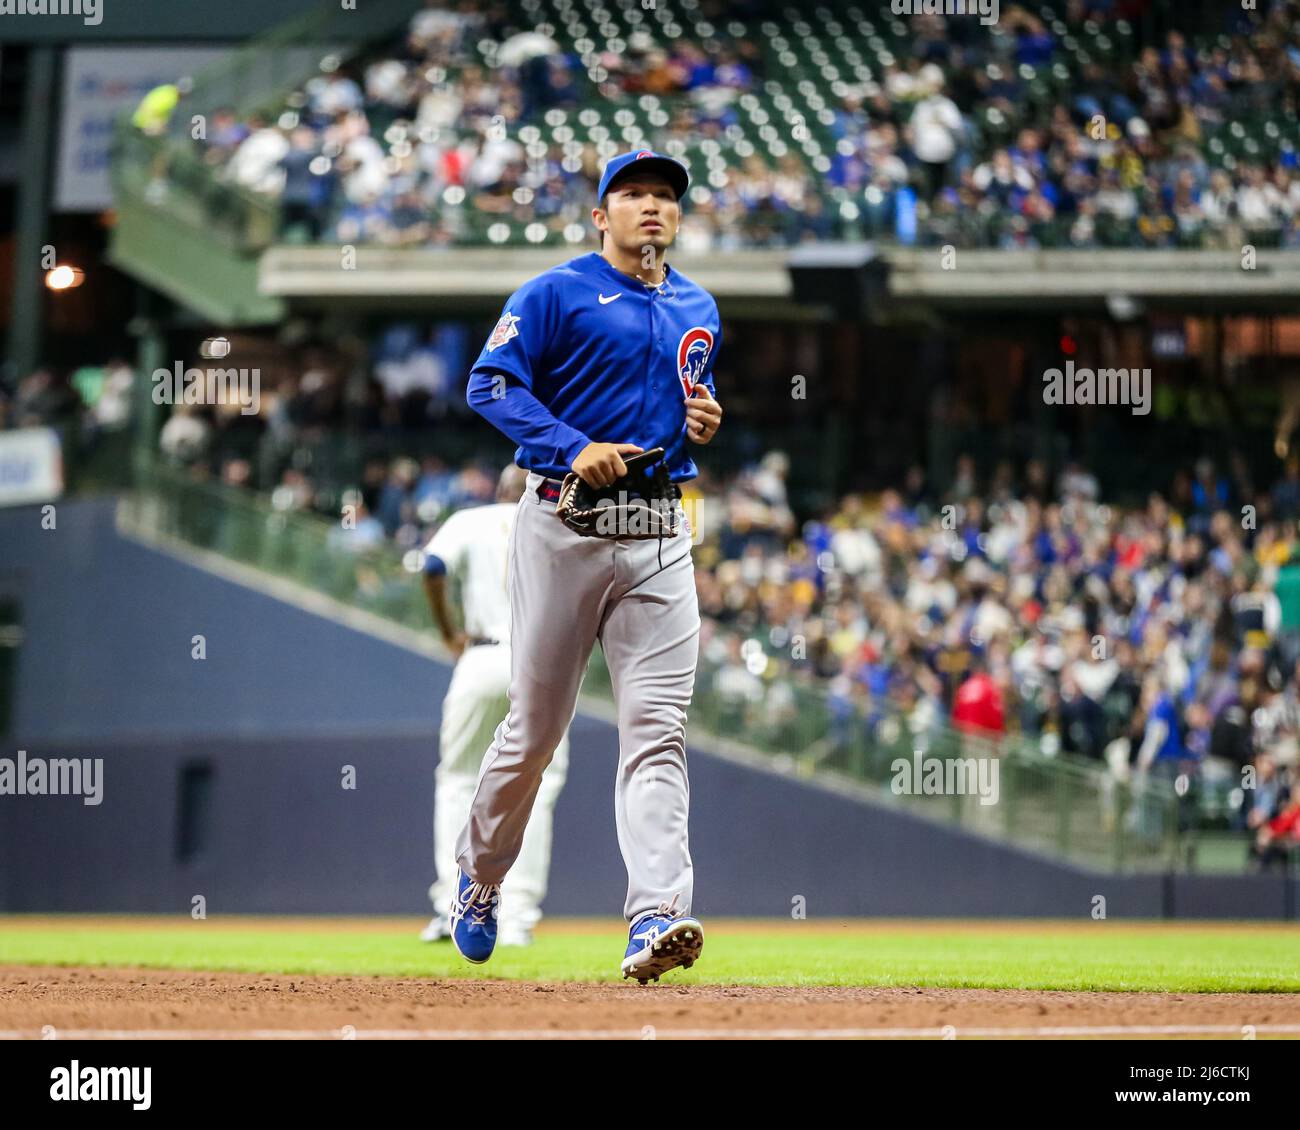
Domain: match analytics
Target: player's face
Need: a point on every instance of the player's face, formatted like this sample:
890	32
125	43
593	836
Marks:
643	212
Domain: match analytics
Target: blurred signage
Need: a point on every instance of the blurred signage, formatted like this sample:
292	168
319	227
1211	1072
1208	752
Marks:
99	84
31	466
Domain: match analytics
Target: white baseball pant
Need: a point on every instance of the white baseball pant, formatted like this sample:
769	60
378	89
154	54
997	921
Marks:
638	599
476	701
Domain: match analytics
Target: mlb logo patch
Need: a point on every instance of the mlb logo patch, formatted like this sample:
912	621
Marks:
505	330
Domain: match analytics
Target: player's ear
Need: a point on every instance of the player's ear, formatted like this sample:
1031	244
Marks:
601	220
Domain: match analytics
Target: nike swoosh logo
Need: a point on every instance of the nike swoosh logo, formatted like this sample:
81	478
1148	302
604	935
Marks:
606	301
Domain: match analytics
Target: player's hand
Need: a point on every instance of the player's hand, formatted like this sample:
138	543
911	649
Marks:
599	464
457	644
703	415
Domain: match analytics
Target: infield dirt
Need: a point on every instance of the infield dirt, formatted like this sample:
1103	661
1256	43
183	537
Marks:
109	1002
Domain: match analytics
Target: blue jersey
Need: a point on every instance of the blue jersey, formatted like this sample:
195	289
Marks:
586	354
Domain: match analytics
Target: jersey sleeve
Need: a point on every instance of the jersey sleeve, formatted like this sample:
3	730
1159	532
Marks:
502	382
518	342
448	546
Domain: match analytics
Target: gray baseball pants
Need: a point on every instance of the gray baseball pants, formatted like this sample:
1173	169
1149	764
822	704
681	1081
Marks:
638	599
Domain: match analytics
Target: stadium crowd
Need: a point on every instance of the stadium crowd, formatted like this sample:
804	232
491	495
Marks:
97	397
1162	639
961	140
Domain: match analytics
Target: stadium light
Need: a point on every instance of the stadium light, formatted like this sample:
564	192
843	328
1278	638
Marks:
1122	307
64	278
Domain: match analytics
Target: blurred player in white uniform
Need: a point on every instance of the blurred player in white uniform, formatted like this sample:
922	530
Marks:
471	549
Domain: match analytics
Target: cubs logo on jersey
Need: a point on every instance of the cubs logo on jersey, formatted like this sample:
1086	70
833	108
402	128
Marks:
505	330
693	356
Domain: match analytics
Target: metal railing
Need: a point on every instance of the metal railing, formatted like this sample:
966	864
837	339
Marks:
1007	791
348	564
1057	806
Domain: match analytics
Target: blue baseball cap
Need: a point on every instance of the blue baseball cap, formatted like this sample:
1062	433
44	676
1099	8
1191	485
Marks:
672	169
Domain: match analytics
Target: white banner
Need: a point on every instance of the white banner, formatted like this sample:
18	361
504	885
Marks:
31	466
99	84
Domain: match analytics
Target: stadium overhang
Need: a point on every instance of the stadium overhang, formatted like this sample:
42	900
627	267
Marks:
902	282
1230	281
478	280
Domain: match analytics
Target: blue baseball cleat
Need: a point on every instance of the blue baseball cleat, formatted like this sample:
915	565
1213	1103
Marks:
660	941
474	918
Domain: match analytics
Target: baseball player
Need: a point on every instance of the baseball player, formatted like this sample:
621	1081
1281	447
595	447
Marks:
608	355
471	547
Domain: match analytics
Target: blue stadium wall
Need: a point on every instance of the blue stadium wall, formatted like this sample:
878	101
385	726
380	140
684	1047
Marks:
223	776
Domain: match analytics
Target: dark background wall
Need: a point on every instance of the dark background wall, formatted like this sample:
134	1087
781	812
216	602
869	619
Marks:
222	777
107	653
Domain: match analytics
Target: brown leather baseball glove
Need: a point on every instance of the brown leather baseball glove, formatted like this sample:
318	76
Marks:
642	504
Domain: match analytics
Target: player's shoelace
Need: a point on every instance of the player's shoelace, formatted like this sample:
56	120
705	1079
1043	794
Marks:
666	910
476	903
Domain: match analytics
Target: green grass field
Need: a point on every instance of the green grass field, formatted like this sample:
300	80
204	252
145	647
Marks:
1197	957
